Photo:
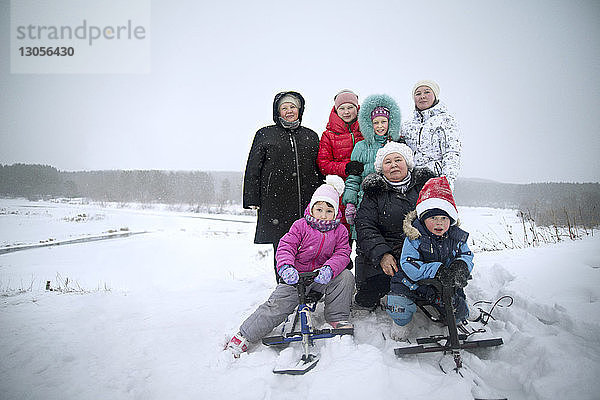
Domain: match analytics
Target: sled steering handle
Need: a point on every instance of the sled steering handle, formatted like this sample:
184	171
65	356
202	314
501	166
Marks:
310	274
433	282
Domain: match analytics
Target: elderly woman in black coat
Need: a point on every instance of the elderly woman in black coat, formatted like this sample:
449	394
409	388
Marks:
281	173
389	194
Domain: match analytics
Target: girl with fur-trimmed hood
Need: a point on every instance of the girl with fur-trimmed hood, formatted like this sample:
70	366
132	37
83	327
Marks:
380	119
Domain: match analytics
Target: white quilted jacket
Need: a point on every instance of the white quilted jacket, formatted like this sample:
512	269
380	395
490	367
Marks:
434	137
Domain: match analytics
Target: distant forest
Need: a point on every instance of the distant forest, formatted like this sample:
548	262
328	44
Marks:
546	203
144	186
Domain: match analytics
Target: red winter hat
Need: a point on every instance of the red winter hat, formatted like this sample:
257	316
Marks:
437	194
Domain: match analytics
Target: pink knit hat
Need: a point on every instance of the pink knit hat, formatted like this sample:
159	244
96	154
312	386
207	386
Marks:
329	192
345	96
436	194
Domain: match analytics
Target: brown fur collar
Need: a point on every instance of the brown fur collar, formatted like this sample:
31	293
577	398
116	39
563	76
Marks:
410	231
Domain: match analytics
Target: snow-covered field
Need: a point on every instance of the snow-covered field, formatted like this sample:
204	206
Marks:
151	313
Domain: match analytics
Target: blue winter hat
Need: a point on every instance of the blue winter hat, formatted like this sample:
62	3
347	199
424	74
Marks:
434	212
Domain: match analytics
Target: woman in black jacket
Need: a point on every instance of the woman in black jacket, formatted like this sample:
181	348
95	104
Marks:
281	173
389	194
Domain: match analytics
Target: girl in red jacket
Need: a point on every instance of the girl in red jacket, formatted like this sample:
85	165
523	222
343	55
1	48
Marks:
338	140
340	136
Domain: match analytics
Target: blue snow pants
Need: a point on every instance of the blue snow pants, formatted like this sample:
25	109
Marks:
401	304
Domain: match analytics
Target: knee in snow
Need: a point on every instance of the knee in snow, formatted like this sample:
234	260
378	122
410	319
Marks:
400	309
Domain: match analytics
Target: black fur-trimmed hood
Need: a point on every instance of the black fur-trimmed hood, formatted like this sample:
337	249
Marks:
374	183
278	97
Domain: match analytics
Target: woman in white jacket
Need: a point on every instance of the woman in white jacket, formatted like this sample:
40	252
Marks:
433	133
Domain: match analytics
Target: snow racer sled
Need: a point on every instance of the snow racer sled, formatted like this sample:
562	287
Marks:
302	330
454	342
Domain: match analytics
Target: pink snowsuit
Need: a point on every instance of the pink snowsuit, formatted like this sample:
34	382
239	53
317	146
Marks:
306	249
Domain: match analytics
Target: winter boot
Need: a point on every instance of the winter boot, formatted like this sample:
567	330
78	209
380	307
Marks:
341	325
398	333
237	345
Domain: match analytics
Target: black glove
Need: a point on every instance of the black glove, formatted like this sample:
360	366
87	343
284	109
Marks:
354	168
461	273
454	275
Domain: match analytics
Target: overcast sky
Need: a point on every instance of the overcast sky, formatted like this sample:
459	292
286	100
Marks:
522	78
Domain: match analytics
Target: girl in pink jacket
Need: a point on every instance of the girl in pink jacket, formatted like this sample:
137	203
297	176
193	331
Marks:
316	242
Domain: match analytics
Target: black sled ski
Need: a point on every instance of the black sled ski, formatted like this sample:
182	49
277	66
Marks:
454	342
451	344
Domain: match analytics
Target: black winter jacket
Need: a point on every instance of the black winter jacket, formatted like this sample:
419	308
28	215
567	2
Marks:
281	174
380	217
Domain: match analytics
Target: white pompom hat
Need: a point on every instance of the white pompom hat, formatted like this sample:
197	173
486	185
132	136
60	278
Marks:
329	192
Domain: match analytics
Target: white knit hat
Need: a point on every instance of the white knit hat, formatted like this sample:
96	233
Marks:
329	192
430	84
394	147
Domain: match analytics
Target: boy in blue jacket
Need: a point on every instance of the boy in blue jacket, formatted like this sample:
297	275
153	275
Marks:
435	247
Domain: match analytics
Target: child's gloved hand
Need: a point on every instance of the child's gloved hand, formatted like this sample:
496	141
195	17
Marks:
289	274
350	213
453	275
461	273
325	275
445	275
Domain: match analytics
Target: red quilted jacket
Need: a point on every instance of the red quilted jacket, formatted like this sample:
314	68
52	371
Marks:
336	145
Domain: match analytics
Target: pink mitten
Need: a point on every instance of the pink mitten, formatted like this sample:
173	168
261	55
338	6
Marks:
350	213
